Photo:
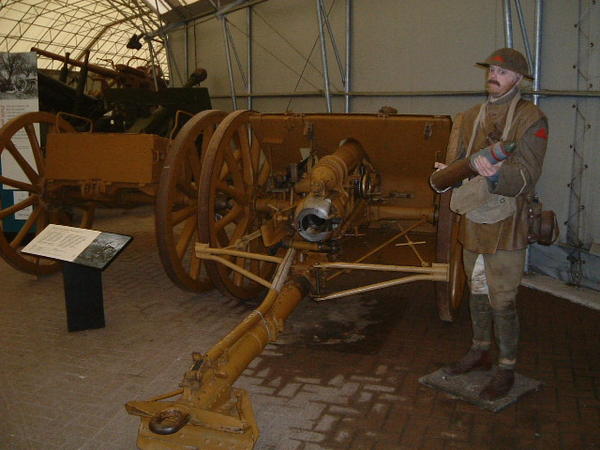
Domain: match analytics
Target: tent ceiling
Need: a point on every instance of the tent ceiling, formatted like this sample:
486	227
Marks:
104	27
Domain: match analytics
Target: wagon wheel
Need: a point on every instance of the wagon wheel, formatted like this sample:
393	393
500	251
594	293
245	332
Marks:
177	202
32	181
449	295
234	175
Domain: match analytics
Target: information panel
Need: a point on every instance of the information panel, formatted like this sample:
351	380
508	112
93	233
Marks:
90	248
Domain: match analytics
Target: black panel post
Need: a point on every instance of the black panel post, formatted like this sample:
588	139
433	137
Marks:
83	297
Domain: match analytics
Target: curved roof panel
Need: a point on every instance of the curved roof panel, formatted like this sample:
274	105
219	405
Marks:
74	26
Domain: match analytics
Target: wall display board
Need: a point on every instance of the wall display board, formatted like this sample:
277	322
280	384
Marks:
18	95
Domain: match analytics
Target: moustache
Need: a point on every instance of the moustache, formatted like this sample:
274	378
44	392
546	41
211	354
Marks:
493	82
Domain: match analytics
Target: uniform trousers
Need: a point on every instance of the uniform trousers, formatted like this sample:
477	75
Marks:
497	310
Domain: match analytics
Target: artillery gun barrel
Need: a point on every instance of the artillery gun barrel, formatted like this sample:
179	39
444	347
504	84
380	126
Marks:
91	67
324	208
332	170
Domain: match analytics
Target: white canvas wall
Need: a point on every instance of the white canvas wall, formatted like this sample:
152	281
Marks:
412	46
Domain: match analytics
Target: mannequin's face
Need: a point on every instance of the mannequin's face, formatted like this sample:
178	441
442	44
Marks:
500	81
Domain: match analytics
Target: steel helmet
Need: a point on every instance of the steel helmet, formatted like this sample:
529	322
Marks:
508	58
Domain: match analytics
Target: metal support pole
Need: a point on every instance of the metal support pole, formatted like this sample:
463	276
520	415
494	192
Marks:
324	55
333	42
414	94
236	56
524	32
154	63
576	219
347	85
538	49
186	51
508	34
229	68
249	51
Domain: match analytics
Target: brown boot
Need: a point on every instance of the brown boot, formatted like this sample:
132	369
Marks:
474	359
499	385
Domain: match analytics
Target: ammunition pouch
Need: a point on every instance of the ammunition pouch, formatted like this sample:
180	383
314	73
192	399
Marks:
542	225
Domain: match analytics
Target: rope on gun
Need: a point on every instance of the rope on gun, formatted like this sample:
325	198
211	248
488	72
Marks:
265	323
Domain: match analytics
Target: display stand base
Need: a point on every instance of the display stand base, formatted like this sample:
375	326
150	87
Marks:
469	385
83	297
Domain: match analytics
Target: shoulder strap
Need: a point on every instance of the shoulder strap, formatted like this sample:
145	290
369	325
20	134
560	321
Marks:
478	120
510	116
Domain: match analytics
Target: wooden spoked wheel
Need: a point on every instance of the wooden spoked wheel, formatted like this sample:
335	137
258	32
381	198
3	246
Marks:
234	176
24	172
177	202
449	295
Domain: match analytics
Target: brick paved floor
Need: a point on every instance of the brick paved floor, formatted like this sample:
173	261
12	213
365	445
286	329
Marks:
344	374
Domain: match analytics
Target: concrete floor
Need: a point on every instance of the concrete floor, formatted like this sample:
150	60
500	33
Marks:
344	374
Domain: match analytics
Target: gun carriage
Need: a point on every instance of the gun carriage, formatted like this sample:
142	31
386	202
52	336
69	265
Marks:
65	169
280	197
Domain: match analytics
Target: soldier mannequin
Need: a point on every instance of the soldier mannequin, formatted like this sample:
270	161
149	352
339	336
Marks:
493	209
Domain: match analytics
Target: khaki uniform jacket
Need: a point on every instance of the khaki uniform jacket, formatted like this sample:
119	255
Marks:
517	176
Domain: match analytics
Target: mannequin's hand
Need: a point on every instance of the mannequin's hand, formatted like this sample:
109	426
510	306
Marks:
484	167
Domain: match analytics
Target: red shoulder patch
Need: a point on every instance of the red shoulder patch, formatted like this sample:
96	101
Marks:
542	133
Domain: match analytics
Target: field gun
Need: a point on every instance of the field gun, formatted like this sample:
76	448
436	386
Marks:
122	75
130	99
280	198
53	173
58	167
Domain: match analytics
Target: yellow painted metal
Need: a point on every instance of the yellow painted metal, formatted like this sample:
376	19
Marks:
390	212
333	170
435	274
204	249
303	245
271	204
402	149
233	427
204	252
236	268
110	157
216	415
411	243
381	246
434	270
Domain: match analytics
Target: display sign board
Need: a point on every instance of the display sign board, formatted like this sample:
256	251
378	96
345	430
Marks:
89	248
18	95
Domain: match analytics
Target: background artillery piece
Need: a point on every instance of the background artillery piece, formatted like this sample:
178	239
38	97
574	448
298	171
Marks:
280	198
67	173
128	97
71	173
